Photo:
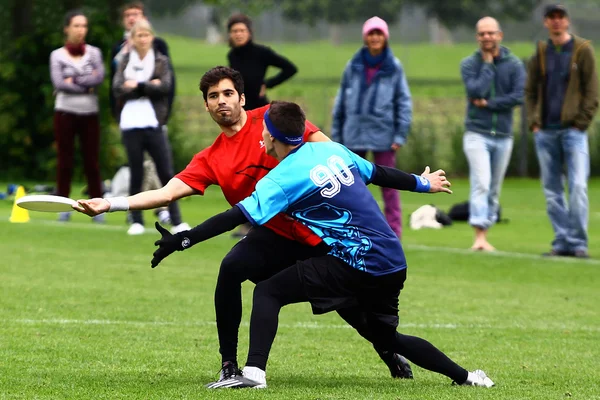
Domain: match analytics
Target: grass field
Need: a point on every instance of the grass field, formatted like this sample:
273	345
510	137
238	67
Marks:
433	73
83	316
320	65
432	70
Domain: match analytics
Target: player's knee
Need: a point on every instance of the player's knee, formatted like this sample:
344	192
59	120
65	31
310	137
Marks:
263	289
382	326
233	267
267	292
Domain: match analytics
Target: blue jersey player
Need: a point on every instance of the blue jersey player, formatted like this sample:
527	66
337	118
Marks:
324	186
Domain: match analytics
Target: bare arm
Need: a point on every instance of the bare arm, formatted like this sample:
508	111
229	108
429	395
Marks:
175	189
318	136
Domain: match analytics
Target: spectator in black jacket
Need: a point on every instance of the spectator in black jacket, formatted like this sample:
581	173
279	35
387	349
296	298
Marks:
132	13
252	61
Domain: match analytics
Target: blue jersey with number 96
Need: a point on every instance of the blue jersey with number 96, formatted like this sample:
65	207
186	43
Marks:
324	186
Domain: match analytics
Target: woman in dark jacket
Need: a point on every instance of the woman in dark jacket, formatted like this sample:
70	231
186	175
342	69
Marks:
141	87
252	61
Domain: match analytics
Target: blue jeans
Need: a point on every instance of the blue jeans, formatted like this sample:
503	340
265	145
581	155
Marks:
488	158
557	149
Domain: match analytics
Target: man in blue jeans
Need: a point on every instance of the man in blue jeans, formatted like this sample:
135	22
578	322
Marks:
494	80
562	99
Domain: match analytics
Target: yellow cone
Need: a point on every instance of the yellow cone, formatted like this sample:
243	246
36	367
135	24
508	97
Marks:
19	214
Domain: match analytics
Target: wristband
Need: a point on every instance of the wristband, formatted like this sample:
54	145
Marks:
118	204
423	184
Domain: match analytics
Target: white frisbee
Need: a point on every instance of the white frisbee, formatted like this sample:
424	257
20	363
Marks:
46	203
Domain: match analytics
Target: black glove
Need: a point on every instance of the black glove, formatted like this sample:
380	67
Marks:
168	244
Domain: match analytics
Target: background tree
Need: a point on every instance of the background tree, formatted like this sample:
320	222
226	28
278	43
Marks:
167	7
445	15
338	12
335	12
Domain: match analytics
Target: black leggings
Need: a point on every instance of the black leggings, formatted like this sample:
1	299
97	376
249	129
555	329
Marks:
154	141
257	257
286	288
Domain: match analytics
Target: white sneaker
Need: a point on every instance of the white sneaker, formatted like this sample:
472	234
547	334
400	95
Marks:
136	229
257	375
180	228
478	378
250	377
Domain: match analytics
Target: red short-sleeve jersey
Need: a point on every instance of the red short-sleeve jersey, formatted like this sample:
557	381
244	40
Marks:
236	164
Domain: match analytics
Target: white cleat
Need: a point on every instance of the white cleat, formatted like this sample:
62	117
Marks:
180	228
249	377
478	378
257	375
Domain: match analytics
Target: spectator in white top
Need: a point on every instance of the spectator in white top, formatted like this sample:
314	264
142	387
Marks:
141	87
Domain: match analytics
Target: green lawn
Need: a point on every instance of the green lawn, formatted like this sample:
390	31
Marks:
432	70
82	314
433	76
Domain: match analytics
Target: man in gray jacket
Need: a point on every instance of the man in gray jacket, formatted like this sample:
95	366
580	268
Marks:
494	79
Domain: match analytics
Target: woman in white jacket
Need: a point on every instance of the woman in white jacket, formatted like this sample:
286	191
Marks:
141	87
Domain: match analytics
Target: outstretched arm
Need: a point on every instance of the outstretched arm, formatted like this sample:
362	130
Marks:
427	182
175	189
210	228
264	203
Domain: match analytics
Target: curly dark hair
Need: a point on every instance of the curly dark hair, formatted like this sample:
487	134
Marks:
215	75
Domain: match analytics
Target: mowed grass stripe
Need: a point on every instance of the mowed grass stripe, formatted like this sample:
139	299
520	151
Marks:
308	325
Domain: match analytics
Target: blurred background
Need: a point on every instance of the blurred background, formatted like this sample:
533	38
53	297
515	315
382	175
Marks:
430	38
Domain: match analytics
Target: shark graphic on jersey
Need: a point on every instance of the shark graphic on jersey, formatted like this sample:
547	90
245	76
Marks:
346	241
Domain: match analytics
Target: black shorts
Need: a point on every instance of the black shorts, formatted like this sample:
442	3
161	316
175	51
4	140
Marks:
263	253
331	284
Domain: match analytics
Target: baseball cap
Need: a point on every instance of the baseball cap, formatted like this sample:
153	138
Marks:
375	23
555	8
